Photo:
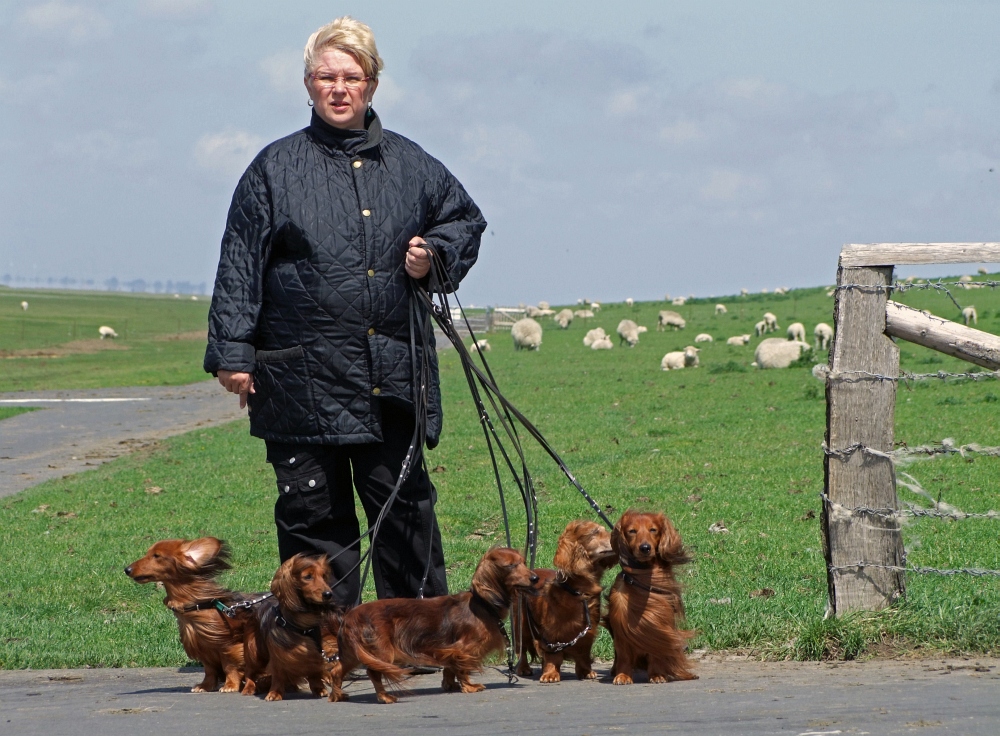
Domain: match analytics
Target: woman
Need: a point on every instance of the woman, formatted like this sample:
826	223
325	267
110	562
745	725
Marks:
310	317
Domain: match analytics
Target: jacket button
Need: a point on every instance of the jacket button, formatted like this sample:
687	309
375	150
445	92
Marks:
371	330
366	213
312	484
357	164
371	272
376	390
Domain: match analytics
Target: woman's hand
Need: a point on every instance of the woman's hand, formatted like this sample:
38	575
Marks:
418	258
237	382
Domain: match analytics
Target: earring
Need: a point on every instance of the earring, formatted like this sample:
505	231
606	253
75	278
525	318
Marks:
369	104
310	103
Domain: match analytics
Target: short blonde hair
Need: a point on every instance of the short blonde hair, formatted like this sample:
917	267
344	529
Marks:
347	35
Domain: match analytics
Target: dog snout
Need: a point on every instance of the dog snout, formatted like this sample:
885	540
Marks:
533	578
128	571
645	548
327	595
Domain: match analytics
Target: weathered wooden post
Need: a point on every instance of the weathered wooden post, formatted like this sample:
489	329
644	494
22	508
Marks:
860	416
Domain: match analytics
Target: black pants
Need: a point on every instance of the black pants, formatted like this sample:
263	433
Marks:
315	513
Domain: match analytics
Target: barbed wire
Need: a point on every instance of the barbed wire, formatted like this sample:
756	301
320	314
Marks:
945	448
902	287
910	510
906	377
974	571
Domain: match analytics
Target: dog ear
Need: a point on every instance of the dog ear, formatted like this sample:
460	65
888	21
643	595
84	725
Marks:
670	548
616	538
207	554
488	581
571	555
282	585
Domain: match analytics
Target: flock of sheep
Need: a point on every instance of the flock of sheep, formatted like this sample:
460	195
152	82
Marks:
771	352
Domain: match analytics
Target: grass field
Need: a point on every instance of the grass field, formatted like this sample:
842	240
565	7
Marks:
719	443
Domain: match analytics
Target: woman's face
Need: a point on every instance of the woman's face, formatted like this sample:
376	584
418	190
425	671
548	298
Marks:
339	98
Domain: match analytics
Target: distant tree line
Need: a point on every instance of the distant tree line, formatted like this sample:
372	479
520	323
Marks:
137	286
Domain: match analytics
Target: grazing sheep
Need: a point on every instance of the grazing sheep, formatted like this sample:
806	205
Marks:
595	334
772	322
739	340
24	306
629	302
532	311
688	358
105	331
964	279
831	292
527	334
821	371
703	337
595	306
546	312
602	343
910	279
765	291
543	305
983	271
671	319
480	346
721	309
781	290
666	297
583	313
564	318
744	292
642	328
679	301
823	334
628	331
969	315
760	328
194	298
777	353
796	331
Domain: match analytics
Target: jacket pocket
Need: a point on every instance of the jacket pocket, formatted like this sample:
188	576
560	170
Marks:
283	401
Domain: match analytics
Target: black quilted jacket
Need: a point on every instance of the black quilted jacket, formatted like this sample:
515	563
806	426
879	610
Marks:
311	293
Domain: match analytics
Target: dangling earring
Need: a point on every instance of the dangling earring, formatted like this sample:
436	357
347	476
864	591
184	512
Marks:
310	103
369	104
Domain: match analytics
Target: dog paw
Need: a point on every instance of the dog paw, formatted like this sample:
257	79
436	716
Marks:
550	677
200	689
273	695
525	670
249	689
386	698
338	697
591	675
658	679
229	689
473	687
622	679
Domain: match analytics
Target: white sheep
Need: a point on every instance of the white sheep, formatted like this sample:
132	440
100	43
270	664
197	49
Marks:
564	318
546	312
194	298
821	371
760	328
628	331
24	306
532	312
602	343
688	358
480	346
744	292
543	305
595	334
679	301
629	302
703	337
527	334
983	271
910	279
738	340
666	297
796	331
721	309
781	290
595	306
667	318
583	313
823	334
777	353
964	279
641	328
969	315
772	322
105	331
765	291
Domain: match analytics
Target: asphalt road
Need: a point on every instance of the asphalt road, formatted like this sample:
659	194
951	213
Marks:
77	430
732	697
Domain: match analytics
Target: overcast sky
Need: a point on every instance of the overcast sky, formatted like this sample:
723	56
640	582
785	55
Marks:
617	149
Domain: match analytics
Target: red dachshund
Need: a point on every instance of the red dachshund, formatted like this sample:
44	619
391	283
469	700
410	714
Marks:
560	622
454	632
213	621
290	643
644	604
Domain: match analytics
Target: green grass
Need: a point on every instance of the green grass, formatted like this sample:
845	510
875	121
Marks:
6	412
54	344
712	444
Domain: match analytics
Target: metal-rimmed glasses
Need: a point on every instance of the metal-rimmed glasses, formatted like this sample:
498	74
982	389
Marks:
328	81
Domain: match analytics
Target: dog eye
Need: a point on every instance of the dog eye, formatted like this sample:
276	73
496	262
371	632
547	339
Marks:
156	556
307	577
632	531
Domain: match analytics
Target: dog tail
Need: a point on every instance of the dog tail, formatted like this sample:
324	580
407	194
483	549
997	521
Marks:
393	674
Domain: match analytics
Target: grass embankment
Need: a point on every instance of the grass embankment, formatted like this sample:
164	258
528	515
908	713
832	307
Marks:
720	443
55	343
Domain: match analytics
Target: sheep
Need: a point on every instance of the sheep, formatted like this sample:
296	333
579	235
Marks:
595	306
24	306
671	319
595	334
744	292
772	321
738	340
105	331
964	279
629	302
969	315
628	331
602	343
543	305
983	271
721	309
666	297
823	334
564	318
194	298
679	301
532	311
796	331
910	279
703	337
781	290
821	371
480	346
546	312
765	291
583	313
831	292
760	328
688	358
642	328
777	353
527	334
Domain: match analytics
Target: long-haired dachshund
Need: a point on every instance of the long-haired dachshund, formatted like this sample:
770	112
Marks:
454	632
560	621
213	620
644	605
291	643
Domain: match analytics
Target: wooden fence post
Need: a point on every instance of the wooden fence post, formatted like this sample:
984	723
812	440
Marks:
860	415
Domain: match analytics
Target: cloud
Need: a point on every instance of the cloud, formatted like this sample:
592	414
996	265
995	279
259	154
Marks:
77	22
176	9
726	185
283	71
106	149
227	154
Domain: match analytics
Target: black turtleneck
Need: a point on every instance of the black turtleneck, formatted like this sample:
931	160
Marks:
350	141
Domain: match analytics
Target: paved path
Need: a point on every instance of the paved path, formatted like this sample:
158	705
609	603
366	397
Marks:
736	698
77	430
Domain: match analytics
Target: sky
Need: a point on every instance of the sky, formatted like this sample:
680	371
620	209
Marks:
627	149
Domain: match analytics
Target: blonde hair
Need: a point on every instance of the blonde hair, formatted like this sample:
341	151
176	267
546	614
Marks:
347	35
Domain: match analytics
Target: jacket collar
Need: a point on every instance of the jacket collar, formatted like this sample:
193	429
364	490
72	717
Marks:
351	142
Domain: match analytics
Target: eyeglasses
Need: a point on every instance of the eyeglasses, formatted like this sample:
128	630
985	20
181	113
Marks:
324	81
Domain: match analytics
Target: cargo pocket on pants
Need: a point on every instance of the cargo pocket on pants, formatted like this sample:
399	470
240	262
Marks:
303	494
